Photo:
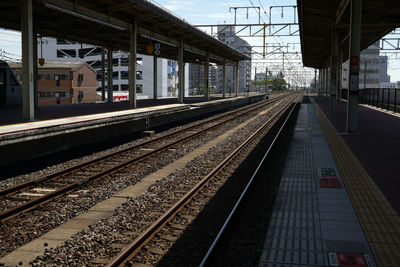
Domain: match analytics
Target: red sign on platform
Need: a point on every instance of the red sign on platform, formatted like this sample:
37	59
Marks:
120	98
347	260
329	178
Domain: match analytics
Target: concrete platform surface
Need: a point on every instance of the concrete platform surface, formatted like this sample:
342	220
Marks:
313	221
27	140
376	145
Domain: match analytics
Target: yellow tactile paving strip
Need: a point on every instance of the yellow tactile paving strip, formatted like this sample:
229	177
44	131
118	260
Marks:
379	220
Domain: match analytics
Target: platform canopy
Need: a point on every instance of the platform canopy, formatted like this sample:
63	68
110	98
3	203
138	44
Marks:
108	22
318	17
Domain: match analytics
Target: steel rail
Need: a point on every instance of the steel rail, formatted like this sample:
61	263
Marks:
20	186
210	250
31	204
132	249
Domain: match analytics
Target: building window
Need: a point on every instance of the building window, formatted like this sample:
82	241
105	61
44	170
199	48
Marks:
139	75
124	87
60	77
64	42
139	88
59	94
124	62
99	76
124	75
66	53
115	87
80	79
139	61
115	75
115	62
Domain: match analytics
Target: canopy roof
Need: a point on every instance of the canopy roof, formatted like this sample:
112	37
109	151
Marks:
108	22
318	17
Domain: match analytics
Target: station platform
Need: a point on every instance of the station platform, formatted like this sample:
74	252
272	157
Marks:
376	145
62	127
329	211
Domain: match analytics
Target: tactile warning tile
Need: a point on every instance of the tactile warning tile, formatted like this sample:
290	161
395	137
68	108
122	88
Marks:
379	220
294	231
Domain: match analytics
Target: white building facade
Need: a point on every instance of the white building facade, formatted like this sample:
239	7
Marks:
369	69
52	49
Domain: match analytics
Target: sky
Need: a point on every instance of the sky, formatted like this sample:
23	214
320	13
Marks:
217	12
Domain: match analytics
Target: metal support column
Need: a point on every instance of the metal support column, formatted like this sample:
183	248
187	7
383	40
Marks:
255	77
319	82
326	88
103	74
266	80
354	56
327	77
339	76
334	63
110	97
155	78
35	69
181	72
206	77
132	64
199	83
224	79
28	99
323	83
237	78
315	81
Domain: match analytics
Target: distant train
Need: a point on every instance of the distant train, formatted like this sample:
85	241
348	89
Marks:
10	88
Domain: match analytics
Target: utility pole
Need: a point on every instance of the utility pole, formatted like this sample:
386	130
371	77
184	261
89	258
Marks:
255	77
266	80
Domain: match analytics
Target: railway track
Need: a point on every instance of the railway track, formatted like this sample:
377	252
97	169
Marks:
29	195
130	251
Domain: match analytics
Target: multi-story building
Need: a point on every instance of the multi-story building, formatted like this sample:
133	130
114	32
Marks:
389	85
260	77
227	35
63	82
196	76
369	68
383	66
167	80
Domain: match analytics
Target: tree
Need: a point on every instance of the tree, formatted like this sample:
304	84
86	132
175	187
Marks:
278	84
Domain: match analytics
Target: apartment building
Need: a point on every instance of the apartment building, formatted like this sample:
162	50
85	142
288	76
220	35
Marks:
63	82
52	49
